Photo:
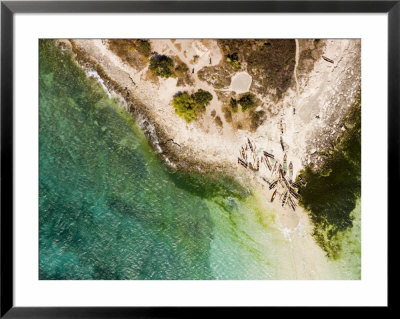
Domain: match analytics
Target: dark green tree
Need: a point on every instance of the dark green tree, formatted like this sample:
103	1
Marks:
202	98
233	60
162	65
247	101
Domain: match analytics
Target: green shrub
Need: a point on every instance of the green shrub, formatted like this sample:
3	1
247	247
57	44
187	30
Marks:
181	69
185	107
247	101
144	47
202	98
162	65
234	104
233	60
218	121
190	106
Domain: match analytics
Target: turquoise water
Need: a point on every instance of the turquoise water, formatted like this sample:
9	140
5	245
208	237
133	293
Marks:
348	262
109	209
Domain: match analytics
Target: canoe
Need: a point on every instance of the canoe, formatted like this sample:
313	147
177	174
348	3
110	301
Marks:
284	199
268	164
273	196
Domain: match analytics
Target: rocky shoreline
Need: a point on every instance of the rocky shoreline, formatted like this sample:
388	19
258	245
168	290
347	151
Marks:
169	151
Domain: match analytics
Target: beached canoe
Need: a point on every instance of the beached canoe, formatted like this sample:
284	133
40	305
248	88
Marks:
273	196
284	199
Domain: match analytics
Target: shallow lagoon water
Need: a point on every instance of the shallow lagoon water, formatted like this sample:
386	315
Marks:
110	209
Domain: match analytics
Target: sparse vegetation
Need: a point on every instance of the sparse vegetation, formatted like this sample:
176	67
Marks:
257	118
227	114
181	69
310	52
182	72
189	107
127	50
144	47
217	76
218	121
269	62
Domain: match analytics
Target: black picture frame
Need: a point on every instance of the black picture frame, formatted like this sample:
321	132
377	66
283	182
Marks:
9	8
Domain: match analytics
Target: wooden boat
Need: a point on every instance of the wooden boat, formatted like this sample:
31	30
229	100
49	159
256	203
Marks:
282	183
302	180
292	204
290	170
280	171
265	180
267	163
255	169
295	185
268	154
271	186
243	153
284	199
242	162
286	183
273	196
250	145
327	59
285	163
283	147
293	193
